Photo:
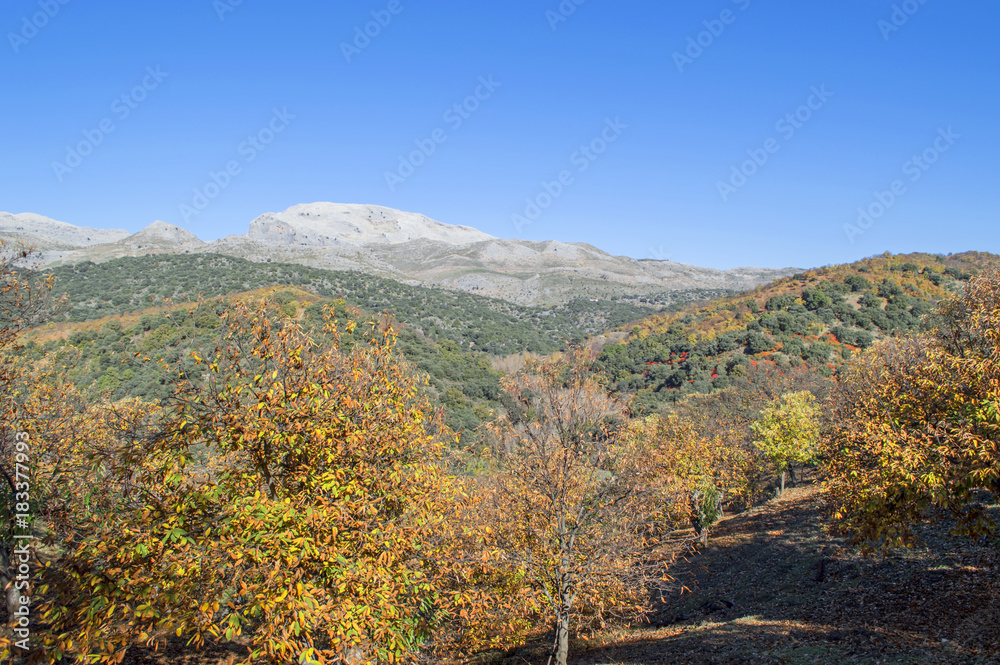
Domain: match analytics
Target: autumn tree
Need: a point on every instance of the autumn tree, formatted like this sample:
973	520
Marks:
724	421
294	497
788	432
575	510
25	300
917	425
701	464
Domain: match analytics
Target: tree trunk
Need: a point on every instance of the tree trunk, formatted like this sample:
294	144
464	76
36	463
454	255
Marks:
560	648
782	490
11	595
791	474
698	516
562	637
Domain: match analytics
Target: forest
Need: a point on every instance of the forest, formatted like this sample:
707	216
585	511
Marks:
275	464
478	323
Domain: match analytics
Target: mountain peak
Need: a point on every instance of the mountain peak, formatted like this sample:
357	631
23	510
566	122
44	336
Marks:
161	234
325	224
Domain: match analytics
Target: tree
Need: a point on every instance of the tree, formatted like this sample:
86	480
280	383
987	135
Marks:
789	430
815	299
702	461
917	426
25	300
778	303
857	283
575	508
294	496
757	343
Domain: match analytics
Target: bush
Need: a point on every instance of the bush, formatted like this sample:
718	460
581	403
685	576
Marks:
778	303
857	283
757	343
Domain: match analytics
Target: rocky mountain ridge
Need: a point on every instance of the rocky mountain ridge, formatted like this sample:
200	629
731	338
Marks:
404	246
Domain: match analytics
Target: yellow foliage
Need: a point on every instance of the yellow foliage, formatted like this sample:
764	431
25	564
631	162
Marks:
917	425
295	498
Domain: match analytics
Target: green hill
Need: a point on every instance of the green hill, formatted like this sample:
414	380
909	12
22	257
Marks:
106	356
474	322
816	319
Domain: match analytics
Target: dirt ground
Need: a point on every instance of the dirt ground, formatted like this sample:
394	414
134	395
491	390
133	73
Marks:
774	587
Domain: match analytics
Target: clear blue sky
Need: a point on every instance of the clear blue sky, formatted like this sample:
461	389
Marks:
653	192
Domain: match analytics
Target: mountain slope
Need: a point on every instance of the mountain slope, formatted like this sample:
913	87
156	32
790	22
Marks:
813	320
484	324
775	586
45	234
415	249
104	355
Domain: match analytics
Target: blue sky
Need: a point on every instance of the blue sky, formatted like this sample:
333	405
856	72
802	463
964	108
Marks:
666	121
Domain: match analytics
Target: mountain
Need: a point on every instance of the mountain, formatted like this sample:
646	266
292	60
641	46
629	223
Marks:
47	235
812	321
163	236
403	246
326	224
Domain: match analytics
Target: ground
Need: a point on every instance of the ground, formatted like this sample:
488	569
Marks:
760	594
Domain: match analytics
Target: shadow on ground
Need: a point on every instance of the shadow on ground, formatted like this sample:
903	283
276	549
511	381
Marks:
774	586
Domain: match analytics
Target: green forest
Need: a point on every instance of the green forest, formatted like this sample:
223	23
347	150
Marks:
475	322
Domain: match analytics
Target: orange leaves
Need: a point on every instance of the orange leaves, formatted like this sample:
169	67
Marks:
561	526
298	491
916	425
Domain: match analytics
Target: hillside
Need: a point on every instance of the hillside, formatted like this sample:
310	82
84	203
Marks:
398	245
149	305
935	605
104	356
476	322
771	583
816	319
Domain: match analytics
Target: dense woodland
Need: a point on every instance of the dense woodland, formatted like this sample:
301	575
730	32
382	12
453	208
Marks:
308	467
818	320
474	322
